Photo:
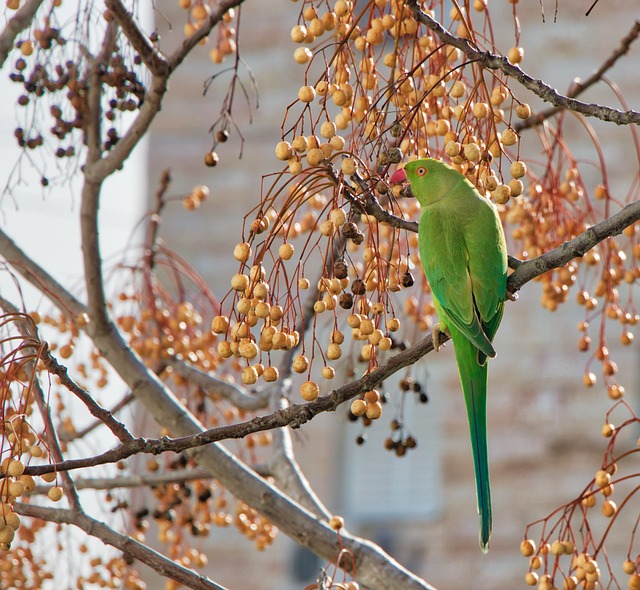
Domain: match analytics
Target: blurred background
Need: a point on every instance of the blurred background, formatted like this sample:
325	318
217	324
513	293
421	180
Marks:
545	440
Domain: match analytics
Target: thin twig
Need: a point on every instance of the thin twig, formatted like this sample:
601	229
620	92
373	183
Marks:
105	416
70	436
493	61
129	546
579	86
218	388
20	21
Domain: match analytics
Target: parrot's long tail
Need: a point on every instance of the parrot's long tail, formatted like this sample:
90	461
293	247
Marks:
473	377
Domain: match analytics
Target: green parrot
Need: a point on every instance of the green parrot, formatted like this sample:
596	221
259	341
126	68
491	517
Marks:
464	255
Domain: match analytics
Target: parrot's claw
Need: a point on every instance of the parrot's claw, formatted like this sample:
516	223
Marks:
511	296
436	335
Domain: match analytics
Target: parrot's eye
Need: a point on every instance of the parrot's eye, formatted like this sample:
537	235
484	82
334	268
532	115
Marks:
421	171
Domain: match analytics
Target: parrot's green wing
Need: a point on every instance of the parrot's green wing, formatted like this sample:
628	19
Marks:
469	301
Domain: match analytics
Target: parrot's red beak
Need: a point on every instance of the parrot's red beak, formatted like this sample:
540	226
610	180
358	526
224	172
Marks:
398	176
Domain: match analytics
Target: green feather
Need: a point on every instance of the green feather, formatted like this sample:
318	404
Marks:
464	256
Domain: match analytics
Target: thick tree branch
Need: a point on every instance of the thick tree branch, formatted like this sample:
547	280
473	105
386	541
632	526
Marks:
492	61
38	277
151	55
575	248
158	562
96	171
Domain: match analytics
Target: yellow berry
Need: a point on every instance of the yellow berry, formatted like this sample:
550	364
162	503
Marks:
481	110
374	410
239	282
336	522
609	508
472	152
516	187
502	194
14	468
358	407
518	169
509	137
328	372
328	129
315	156
249	375
270	374
531	578
299	33
348	166
307	93
515	55
527	548
55	493
309	391
458	89
302	55
393	325
284	151
6	534
629	567
608	430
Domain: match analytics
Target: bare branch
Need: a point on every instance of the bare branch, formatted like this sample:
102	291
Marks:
39	277
158	562
20	21
218	388
579	86
575	248
285	469
97	171
151	55
137	481
217	14
106	417
68	436
492	61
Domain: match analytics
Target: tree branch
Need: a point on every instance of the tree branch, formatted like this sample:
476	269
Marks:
578	86
575	248
156	561
151	55
492	61
38	277
296	415
104	416
219	388
97	171
20	21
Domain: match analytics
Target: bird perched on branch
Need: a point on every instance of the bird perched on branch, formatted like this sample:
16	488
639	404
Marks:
464	256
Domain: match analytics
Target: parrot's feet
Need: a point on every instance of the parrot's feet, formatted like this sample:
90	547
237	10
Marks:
436	335
511	296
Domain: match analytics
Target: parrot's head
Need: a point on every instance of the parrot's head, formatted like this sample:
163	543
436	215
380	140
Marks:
427	178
